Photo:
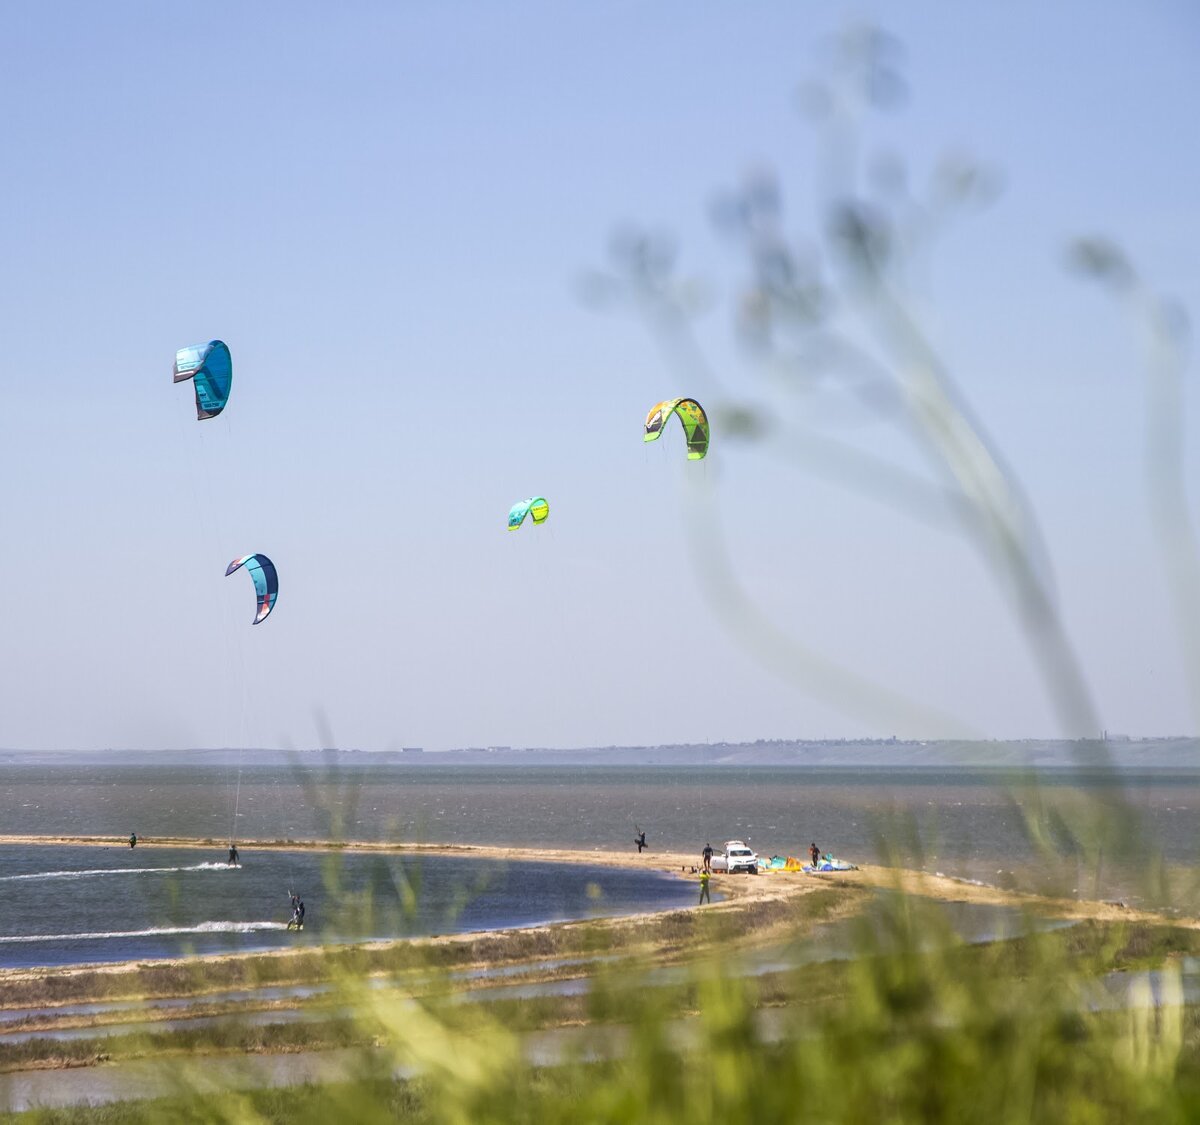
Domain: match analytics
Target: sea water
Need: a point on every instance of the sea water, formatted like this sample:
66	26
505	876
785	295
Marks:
960	814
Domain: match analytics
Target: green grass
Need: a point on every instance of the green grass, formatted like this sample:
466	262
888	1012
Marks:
994	1032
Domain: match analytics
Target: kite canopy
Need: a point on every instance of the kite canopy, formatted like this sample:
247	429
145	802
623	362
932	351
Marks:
691	416
210	368
535	508
266	581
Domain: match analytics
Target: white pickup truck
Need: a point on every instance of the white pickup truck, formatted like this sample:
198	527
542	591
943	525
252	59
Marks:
737	857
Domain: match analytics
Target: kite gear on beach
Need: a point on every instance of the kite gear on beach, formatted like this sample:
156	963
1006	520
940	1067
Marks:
828	863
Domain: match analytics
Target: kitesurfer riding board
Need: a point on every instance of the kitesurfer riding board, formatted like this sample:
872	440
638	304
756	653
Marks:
297	919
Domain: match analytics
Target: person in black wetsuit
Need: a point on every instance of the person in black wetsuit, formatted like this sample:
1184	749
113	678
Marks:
133	839
233	853
815	852
639	839
706	856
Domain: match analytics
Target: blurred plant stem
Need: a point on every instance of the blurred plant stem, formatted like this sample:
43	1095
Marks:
1162	327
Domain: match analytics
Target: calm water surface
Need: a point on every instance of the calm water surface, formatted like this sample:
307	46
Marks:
955	812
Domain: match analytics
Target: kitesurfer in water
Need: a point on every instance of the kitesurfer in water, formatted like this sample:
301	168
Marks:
133	839
639	839
233	855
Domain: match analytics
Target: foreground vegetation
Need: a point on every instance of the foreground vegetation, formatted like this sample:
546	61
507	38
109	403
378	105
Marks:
918	1027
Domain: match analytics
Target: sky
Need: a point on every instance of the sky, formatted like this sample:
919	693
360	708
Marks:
388	211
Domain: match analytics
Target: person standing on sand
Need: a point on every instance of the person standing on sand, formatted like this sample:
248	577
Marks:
133	839
704	895
706	855
815	852
639	839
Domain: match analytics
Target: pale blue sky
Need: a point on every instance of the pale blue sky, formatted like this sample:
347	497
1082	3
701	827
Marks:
384	210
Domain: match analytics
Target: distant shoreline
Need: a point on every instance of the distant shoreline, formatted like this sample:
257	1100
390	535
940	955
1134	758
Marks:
1120	751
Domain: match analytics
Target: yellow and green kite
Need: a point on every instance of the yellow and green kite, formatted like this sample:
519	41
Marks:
691	416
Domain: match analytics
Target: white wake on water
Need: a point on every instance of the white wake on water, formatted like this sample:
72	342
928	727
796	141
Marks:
156	931
120	871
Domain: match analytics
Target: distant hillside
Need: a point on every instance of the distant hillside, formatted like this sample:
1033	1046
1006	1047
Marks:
1125	753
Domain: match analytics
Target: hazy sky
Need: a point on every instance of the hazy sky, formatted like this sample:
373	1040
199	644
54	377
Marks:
385	210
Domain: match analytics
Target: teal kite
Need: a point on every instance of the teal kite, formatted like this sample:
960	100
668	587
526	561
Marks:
210	368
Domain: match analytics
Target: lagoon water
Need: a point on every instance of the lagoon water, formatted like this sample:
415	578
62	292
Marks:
67	905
